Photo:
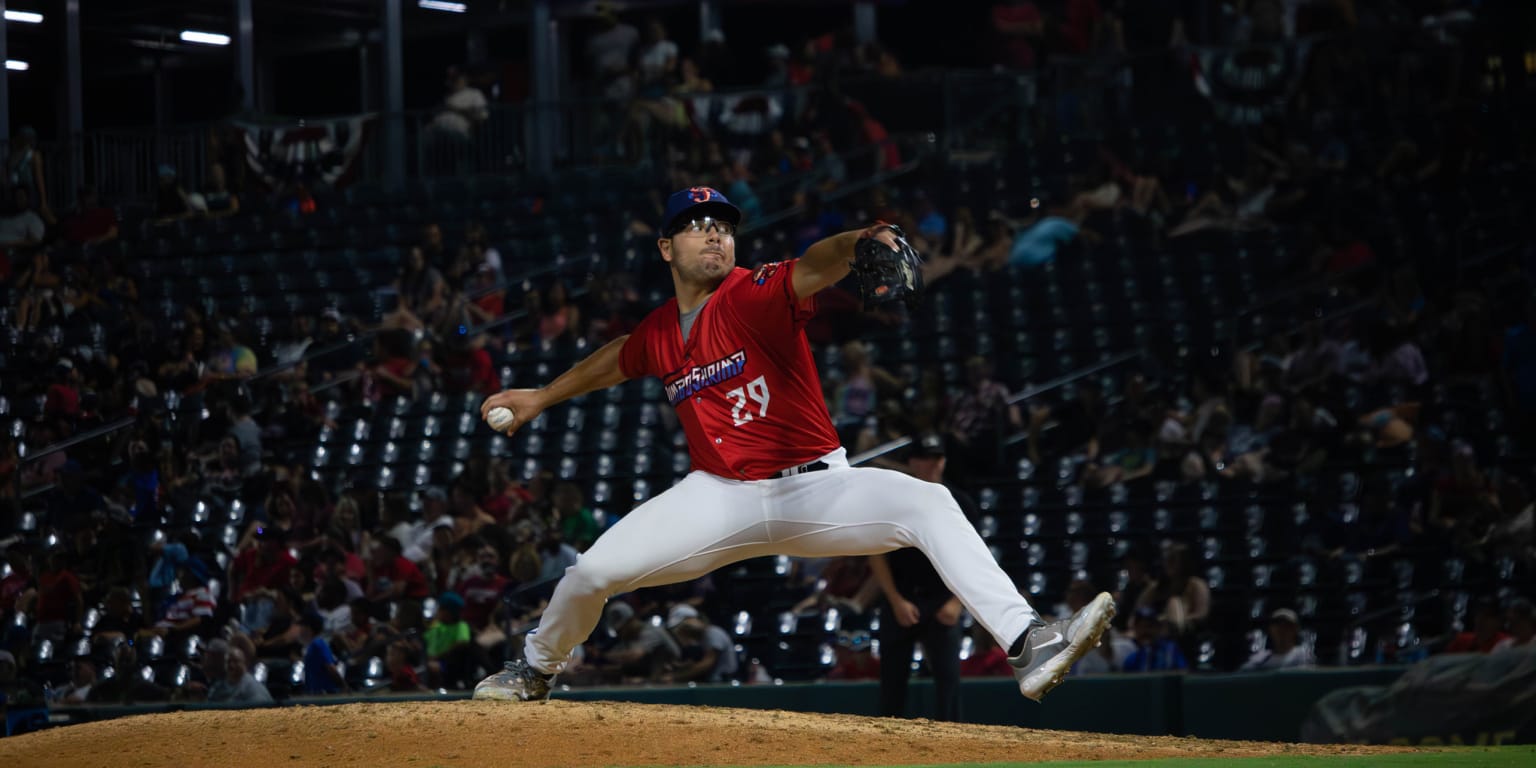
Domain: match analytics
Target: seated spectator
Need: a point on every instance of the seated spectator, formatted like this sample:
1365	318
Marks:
39	291
846	583
1460	496
1521	619
74	503
644	650
1132	461
283	636
1487	629
91	223
400	660
980	419
987	658
558	318
1285	650
126	685
555	555
210	671
191	610
467	516
466	364
321	673
16	692
447	643
238	686
230	358
481	587
1179	596
354	638
20	226
393	374
391	576
857	395
256	573
1155	649
855	658
707	653
568	509
82	678
118	622
171	203
60	604
1113	649
420	287
218	201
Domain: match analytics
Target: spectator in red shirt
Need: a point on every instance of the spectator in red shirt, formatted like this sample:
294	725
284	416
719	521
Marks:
264	566
394	373
1487	629
987	659
1080	25
13	585
391	575
482	587
91	223
467	366
402	676
60	603
855	658
257	573
1018	26
63	394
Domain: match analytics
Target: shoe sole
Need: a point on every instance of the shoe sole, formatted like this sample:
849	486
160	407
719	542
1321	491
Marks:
496	693
1050	674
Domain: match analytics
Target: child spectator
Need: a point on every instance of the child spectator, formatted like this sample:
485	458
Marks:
321	674
1155	650
447	643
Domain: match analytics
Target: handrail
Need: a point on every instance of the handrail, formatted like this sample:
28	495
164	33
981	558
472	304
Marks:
73	440
1020	396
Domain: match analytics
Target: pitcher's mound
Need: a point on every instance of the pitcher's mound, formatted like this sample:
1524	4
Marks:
464	734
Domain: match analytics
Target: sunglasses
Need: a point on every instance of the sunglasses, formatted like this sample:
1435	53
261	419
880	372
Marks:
700	226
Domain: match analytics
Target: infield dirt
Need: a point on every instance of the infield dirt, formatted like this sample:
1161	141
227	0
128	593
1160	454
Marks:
468	734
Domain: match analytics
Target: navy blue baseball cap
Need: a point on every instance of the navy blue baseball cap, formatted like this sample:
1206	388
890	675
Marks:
695	202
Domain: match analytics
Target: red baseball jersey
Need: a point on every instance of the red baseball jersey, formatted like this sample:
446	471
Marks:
744	384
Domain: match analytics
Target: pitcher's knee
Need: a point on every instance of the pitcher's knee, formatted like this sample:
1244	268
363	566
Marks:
593	579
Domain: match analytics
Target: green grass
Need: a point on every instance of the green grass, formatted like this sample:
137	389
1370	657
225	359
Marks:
1470	757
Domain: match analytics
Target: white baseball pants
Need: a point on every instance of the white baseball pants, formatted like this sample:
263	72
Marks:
707	521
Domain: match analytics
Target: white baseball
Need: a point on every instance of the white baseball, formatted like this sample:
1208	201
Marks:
500	418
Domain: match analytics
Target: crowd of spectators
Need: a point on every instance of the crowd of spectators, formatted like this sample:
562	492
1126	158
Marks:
310	584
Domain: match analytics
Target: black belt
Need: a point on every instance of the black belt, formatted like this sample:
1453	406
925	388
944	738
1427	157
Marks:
815	466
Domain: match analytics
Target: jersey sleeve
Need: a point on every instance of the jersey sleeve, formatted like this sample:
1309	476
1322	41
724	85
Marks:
634	356
767	297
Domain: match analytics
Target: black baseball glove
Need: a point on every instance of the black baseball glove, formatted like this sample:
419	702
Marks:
886	274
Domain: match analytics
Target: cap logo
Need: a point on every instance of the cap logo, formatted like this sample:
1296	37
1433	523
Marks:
701	194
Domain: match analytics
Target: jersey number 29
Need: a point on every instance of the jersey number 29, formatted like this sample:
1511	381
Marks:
757	389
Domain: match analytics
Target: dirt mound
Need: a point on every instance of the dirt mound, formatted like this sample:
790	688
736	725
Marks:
460	734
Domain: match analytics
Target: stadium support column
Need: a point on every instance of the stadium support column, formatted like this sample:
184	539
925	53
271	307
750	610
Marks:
245	42
5	79
864	21
543	39
74	118
394	97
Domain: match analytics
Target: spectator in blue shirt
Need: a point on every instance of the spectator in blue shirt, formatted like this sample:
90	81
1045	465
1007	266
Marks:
1155	650
320	672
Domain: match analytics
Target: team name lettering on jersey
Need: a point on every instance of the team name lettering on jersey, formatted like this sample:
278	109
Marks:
702	377
765	271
